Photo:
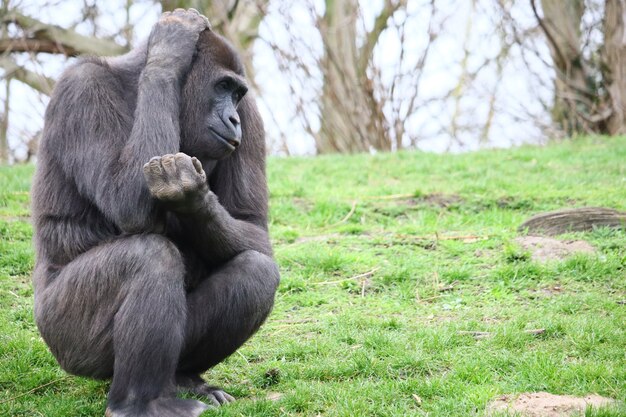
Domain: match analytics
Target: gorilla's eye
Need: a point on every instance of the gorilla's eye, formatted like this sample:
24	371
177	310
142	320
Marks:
225	85
232	87
239	93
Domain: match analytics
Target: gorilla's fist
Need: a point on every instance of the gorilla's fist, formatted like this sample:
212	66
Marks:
177	180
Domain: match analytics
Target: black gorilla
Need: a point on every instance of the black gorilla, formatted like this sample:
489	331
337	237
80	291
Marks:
150	211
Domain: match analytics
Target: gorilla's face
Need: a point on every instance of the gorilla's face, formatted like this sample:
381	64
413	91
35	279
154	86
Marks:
210	122
223	120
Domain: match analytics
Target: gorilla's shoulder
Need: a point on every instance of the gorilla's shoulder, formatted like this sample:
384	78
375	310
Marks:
85	81
86	70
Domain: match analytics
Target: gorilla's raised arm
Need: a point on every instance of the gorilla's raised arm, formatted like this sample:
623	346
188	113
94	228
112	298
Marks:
92	113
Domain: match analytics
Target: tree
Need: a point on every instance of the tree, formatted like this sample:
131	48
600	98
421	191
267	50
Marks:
590	76
26	39
354	108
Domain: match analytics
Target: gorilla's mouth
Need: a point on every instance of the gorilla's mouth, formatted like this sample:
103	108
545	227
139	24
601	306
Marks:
231	143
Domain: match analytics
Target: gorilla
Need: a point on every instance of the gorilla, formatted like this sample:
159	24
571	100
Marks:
153	261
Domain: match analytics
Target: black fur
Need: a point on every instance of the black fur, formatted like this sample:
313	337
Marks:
128	284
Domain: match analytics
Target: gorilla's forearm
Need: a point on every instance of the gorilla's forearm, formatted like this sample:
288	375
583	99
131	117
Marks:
155	131
156	128
220	236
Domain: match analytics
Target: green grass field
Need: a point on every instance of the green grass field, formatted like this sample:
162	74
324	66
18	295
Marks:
388	262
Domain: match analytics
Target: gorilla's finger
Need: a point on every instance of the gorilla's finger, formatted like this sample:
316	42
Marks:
189	177
153	170
197	165
213	400
219	395
169	168
226	397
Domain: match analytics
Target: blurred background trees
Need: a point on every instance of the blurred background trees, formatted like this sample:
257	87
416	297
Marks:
353	75
588	53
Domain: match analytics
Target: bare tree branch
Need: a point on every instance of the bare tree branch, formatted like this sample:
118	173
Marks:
34	80
67	41
380	24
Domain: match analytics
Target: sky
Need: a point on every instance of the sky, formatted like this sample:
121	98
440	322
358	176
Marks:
517	92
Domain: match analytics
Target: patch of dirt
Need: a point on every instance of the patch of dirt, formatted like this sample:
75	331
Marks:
274	396
440	199
546	292
543	404
544	249
303	203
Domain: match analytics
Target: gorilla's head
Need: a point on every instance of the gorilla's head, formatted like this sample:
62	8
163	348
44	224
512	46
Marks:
214	88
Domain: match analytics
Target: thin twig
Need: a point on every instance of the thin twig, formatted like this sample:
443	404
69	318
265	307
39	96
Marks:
431	298
389	197
33	390
482	335
363	275
350	213
244	358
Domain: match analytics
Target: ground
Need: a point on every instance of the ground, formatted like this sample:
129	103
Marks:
404	291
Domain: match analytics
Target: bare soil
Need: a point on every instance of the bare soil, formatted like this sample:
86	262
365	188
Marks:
543	404
440	199
544	249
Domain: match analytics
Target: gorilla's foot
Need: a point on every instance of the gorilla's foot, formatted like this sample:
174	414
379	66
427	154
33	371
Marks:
160	407
194	384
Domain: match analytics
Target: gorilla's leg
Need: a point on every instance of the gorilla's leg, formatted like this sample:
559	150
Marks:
222	313
120	309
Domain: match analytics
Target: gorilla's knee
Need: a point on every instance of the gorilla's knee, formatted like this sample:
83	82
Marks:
155	253
262	268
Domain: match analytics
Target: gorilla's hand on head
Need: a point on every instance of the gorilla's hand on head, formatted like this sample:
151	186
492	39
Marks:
173	39
177	180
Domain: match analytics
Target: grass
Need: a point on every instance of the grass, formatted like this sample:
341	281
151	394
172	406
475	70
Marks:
388	262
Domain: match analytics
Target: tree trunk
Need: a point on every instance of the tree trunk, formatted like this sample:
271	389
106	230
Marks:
352	119
614	65
572	96
4	124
